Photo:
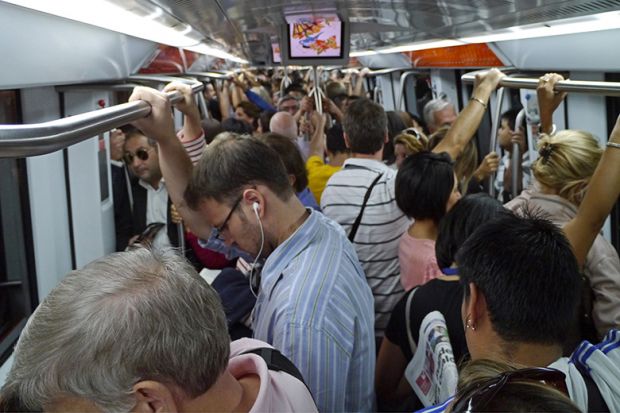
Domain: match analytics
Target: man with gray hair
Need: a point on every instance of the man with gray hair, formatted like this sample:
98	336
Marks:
141	331
313	303
438	113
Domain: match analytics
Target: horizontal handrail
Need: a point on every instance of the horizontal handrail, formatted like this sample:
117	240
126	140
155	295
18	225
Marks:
578	86
18	141
210	75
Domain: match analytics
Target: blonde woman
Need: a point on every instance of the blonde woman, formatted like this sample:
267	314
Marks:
493	386
469	173
407	143
563	170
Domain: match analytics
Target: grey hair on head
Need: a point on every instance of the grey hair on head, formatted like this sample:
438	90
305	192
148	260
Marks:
433	106
130	316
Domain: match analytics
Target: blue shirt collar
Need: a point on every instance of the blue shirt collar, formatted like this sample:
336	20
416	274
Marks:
282	256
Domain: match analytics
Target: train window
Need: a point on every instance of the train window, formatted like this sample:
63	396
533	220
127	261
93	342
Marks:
17	281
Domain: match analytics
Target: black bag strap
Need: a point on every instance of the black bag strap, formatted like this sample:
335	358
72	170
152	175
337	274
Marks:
358	220
277	362
596	403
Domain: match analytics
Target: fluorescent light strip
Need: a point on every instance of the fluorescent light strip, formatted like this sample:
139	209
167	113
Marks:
106	15
363	53
428	44
211	51
597	22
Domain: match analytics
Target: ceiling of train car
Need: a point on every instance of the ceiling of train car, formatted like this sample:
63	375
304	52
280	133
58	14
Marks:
245	26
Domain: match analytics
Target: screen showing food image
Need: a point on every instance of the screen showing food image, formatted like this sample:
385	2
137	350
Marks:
275	52
315	37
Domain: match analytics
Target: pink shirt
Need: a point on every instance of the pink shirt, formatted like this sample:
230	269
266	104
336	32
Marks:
418	263
279	391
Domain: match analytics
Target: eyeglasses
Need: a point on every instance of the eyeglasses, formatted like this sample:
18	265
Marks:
142	154
477	397
219	230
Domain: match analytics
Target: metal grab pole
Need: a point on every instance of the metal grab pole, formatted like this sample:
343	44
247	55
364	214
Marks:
494	126
316	91
401	97
516	160
202	104
578	86
18	141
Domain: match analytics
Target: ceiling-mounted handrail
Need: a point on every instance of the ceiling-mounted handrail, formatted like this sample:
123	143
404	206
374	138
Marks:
577	86
210	75
380	72
18	141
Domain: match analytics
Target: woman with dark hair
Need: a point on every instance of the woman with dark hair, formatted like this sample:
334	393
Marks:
294	164
426	188
248	112
442	294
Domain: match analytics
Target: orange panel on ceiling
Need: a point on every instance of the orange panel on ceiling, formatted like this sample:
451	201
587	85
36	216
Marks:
469	55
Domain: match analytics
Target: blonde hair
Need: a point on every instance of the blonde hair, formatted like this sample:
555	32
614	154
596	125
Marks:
566	163
523	395
467	162
411	143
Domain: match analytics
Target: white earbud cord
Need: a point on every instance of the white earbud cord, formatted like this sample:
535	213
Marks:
262	244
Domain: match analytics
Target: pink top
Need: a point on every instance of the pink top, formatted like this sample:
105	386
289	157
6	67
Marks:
279	391
418	263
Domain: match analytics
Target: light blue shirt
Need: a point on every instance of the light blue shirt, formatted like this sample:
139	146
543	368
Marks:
315	306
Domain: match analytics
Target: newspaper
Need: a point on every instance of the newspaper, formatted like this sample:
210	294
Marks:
432	372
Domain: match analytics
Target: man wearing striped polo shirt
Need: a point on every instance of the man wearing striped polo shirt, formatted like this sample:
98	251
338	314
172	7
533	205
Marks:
365	179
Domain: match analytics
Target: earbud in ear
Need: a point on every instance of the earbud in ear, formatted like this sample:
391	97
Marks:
256	207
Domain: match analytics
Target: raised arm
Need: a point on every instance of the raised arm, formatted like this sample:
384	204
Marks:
358	90
223	98
467	122
602	194
317	142
175	164
548	100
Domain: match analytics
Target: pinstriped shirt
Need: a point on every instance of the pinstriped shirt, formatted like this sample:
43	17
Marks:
381	227
315	307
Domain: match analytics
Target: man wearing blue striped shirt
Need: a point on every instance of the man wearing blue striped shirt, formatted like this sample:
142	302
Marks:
314	303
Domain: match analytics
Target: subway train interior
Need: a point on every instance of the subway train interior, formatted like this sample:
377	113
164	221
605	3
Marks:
69	67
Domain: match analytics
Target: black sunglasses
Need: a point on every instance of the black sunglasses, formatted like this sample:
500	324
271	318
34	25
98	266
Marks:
477	397
142	154
222	228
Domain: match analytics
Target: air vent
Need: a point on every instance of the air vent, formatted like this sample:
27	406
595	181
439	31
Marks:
556	12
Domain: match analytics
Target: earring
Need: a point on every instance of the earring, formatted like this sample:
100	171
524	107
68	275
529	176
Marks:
470	325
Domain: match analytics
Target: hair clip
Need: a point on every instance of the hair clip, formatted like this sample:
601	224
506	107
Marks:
545	151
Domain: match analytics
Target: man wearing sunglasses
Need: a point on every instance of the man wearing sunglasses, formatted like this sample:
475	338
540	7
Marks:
313	302
151	201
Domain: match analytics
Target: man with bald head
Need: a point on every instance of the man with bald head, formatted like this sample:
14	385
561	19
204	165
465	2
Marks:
283	123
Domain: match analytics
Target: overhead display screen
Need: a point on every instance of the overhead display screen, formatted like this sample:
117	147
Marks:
312	37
